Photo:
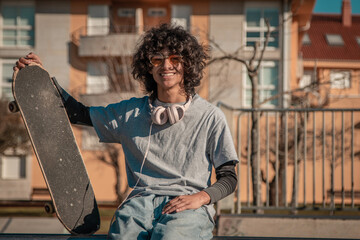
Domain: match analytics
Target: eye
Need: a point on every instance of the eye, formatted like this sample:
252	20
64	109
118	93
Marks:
156	60
175	59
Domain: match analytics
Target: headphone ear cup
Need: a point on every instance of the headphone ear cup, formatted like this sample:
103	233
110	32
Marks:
181	112
172	114
159	115
175	113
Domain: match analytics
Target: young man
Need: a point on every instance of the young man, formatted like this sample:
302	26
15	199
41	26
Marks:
172	138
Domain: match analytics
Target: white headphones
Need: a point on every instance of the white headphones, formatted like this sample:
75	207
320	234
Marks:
174	113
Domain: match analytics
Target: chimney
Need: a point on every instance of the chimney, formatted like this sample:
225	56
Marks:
346	13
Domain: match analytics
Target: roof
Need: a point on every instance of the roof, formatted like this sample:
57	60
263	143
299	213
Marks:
323	24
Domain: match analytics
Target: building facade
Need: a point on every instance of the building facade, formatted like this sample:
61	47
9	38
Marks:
87	46
331	56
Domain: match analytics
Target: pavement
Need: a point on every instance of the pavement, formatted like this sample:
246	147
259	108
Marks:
20	228
31	225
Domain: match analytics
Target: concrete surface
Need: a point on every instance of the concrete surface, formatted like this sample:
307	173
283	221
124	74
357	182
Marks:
31	225
289	227
246	228
103	237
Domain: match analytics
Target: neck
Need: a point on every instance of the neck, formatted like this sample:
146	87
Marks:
169	97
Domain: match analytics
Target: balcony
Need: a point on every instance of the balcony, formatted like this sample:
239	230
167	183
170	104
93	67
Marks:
100	41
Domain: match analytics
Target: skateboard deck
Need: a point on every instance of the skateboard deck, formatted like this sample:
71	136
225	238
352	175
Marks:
58	155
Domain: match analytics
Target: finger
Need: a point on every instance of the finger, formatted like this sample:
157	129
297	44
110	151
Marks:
182	206
173	201
174	206
20	65
33	58
24	61
169	209
180	209
170	205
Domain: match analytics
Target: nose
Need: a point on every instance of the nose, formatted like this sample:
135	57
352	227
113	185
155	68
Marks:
167	64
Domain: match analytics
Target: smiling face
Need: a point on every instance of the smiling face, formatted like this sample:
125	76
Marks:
167	71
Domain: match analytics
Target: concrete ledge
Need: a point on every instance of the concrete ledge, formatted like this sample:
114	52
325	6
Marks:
103	237
272	238
289	227
49	236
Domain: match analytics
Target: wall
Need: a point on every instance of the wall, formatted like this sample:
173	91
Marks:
226	29
17	189
52	25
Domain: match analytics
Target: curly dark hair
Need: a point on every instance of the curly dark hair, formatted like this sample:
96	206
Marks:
178	41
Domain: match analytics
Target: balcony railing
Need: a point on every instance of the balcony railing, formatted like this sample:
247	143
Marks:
306	158
103	30
100	41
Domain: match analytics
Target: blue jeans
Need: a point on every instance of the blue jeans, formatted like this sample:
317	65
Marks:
141	218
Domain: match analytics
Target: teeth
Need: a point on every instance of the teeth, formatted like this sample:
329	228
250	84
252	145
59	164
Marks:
167	74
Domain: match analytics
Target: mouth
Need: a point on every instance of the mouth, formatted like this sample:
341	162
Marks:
167	74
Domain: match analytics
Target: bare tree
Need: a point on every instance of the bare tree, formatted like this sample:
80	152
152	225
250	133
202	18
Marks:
314	95
111	155
121	85
252	66
119	74
13	134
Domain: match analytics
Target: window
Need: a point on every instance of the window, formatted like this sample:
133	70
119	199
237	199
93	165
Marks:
126	12
157	12
306	80
18	25
256	29
97	78
13	167
334	39
180	15
98	22
340	79
130	20
268	84
306	40
358	40
6	70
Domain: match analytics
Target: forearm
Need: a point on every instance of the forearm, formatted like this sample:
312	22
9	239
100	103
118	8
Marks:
225	185
77	112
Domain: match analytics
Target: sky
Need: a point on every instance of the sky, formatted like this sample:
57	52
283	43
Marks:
334	6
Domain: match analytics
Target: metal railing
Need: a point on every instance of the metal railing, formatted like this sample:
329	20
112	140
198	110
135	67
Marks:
305	158
104	30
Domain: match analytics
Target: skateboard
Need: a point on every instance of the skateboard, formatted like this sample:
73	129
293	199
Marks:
53	141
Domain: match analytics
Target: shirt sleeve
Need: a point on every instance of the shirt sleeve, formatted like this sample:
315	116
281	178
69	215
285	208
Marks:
76	111
107	122
226	182
220	145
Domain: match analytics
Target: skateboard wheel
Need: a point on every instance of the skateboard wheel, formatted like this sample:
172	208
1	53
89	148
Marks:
13	107
49	208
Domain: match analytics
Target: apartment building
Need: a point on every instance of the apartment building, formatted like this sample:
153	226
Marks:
87	46
331	55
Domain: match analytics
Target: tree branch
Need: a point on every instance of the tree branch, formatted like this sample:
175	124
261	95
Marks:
268	32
